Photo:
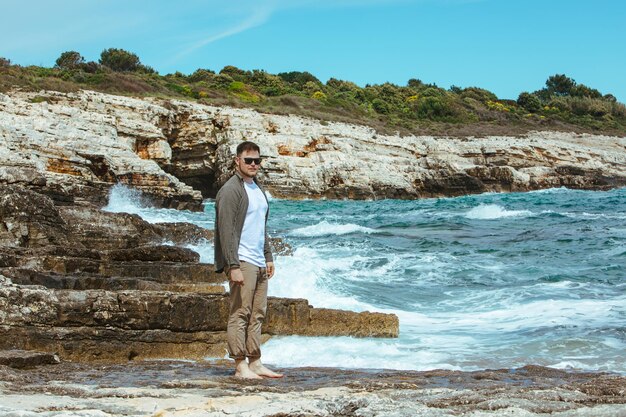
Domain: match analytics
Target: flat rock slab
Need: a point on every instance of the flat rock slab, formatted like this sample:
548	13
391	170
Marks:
190	388
26	358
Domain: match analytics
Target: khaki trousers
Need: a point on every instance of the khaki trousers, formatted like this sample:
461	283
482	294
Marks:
248	304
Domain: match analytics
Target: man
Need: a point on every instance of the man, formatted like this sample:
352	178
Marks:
243	252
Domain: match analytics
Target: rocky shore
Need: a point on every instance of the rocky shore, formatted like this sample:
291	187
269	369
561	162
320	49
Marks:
170	388
106	297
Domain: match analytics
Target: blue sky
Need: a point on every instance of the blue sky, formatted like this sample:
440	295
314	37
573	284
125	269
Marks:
505	46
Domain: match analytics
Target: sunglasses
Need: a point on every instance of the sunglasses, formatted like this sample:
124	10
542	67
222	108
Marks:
249	161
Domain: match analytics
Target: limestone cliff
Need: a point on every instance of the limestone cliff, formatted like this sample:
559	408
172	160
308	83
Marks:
74	146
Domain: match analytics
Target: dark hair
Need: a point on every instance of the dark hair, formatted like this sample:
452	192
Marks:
247	146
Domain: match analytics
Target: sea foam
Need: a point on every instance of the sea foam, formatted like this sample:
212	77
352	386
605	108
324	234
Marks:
494	211
123	199
325	228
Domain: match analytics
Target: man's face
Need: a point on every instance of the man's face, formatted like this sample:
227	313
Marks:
248	170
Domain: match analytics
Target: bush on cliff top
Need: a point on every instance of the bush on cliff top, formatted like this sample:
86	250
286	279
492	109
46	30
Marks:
417	107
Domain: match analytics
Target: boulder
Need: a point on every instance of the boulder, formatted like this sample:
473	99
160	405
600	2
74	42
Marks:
29	219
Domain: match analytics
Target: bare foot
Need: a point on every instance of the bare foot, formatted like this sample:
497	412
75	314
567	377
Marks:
257	367
243	371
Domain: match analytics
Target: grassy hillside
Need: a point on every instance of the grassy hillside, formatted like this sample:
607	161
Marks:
416	107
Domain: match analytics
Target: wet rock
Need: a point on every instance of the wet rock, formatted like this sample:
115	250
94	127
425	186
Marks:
280	247
296	316
207	388
27	359
329	322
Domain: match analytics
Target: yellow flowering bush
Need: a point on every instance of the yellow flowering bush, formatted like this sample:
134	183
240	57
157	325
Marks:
496	105
318	95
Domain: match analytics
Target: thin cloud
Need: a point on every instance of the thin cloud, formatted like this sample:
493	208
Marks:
258	18
262	15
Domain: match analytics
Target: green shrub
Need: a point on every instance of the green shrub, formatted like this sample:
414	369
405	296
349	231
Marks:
222	80
380	106
432	92
582	90
268	84
310	87
4	62
69	60
478	94
235	73
589	106
184	90
237	86
243	92
119	60
299	78
39	99
90	67
432	107
42	72
342	86
530	102
618	110
558	104
201	75
415	83
145	69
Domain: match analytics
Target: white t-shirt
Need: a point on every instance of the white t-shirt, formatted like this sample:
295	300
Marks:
253	234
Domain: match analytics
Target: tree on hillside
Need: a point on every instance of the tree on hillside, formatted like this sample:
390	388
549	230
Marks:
560	85
69	60
120	60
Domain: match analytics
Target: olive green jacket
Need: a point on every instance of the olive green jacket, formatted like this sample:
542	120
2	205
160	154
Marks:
231	205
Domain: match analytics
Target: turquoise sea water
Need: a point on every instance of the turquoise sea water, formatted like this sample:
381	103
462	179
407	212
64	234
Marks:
483	281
